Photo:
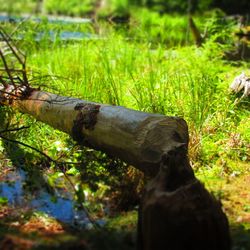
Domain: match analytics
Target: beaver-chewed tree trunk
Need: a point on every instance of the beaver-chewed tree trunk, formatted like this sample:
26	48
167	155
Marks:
178	213
137	138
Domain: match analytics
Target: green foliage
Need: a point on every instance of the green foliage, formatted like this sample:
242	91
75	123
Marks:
144	75
232	6
122	7
169	30
3	201
71	8
17	7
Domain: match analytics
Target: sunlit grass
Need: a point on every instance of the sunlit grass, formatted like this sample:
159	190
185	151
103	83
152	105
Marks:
18	7
184	81
156	75
175	82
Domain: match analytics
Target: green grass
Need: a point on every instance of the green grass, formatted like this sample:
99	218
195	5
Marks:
145	68
58	7
70	8
169	30
180	82
184	81
122	69
17	7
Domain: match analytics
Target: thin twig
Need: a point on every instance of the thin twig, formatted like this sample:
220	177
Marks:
14	70
28	146
15	51
6	67
7	38
14	129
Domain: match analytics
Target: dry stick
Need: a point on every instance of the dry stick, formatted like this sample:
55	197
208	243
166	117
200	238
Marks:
14	129
14	70
3	82
59	164
28	146
17	97
6	67
6	38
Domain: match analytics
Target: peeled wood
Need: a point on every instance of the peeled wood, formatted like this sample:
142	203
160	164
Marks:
137	138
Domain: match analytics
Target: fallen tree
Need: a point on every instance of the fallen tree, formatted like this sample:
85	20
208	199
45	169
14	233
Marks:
133	136
176	211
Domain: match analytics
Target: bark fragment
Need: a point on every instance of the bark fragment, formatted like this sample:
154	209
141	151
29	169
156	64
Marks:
86	118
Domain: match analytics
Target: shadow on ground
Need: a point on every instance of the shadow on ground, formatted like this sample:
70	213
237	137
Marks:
241	236
28	230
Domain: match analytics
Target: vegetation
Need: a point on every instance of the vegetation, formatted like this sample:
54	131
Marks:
121	7
74	7
149	64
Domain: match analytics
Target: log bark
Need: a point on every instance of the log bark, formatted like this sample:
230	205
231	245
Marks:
138	138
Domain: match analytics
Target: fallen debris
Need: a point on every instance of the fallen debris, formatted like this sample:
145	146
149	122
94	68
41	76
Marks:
241	83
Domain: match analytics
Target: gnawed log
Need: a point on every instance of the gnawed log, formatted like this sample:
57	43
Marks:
178	213
137	138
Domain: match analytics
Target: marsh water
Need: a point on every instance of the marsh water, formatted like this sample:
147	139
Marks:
16	185
59	203
64	35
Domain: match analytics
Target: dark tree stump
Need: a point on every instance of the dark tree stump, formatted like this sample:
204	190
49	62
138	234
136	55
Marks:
178	213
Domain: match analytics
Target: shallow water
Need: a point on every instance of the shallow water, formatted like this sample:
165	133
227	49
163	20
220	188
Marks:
63	36
51	19
52	35
59	205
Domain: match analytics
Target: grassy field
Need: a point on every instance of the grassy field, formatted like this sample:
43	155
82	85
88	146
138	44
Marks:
152	66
